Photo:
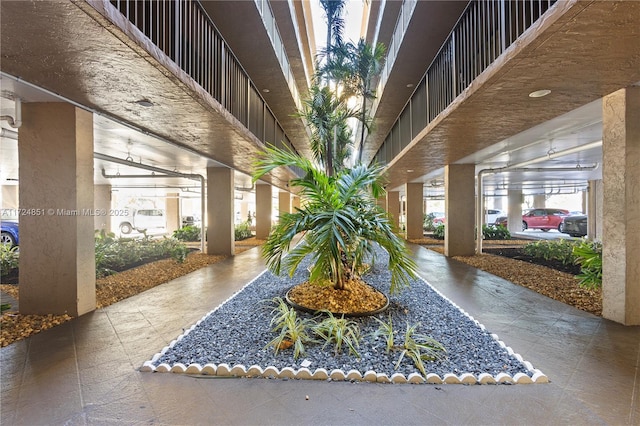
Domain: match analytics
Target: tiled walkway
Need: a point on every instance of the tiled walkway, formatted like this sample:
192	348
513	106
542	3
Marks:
86	371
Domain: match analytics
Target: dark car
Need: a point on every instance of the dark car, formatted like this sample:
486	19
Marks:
9	233
544	219
575	225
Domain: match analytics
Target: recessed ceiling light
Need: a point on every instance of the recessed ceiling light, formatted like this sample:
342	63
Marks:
410	85
539	93
266	90
145	103
410	171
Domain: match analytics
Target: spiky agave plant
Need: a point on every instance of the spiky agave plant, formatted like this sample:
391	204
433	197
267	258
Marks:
340	220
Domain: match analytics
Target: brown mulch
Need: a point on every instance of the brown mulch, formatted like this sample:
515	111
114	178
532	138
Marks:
358	297
109	290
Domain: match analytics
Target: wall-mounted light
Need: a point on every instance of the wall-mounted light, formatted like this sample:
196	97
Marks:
539	93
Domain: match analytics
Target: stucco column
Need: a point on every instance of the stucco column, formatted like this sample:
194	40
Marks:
459	207
393	208
414	210
621	229
220	191
539	201
514	216
594	210
57	249
102	205
284	202
263	211
172	206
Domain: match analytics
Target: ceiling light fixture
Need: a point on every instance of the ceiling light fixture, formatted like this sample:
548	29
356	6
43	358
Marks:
410	85
266	90
539	93
145	102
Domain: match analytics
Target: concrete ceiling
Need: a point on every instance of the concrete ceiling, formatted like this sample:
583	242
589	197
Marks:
582	51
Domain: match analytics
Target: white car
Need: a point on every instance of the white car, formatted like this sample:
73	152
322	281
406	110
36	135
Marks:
490	216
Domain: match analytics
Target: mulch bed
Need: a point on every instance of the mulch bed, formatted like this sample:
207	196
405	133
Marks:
109	290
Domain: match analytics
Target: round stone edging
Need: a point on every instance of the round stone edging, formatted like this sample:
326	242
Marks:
224	370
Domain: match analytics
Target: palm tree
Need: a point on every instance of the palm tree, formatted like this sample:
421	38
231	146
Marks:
340	221
357	67
327	117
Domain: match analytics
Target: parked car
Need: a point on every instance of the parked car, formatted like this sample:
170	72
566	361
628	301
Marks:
491	215
438	217
144	219
544	219
575	225
9	233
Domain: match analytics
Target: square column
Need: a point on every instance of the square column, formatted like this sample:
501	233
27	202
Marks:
220	232
414	210
284	202
263	211
102	204
514	218
295	203
621	207
57	248
172	205
393	208
459	208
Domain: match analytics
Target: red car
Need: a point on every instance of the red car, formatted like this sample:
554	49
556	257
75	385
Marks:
544	219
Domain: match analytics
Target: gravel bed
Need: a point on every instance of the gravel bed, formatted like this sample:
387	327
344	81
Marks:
238	331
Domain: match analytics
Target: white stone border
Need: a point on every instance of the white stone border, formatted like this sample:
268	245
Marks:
304	373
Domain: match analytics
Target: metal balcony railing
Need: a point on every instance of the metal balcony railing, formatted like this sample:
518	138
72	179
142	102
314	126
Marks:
185	33
484	31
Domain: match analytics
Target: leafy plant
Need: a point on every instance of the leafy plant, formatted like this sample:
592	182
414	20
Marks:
560	250
418	347
292	330
5	307
243	231
589	255
438	232
9	259
116	254
495	232
339	331
386	330
187	233
340	221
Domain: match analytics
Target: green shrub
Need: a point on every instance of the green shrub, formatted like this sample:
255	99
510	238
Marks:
243	231
495	232
9	259
589	255
117	254
187	233
560	250
438	232
428	224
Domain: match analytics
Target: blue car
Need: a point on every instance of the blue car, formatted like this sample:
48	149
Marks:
9	233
